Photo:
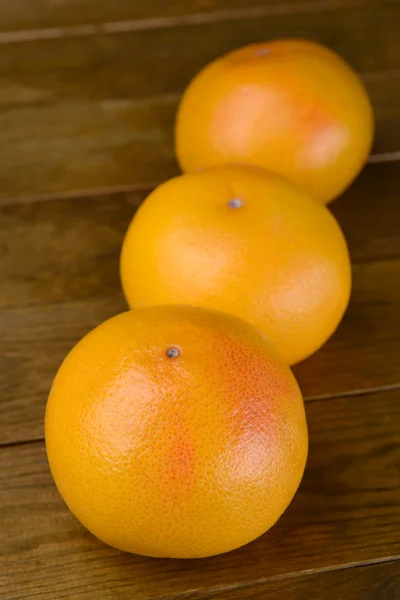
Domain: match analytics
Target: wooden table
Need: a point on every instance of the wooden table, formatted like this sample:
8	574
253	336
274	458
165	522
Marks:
89	90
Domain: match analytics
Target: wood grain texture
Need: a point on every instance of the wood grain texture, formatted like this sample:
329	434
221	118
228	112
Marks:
364	354
369	214
60	279
65	250
372	582
89	93
347	511
34	343
39	14
80	113
147	63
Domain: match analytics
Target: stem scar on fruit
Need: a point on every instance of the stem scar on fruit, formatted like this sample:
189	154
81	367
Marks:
235	203
172	352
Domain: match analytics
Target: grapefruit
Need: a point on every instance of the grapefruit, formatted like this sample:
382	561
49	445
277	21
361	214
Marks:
176	432
243	241
292	106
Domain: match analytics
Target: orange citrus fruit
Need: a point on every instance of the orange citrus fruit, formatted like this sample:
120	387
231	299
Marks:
176	431
246	242
292	106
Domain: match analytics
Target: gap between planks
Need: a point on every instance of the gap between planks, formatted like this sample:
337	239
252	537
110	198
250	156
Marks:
139	187
295	575
154	23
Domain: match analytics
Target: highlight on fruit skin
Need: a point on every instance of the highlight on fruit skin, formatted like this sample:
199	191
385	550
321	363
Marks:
186	454
292	106
244	241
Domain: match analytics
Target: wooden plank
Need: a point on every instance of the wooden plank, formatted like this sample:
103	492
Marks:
38	14
369	213
34	342
60	279
80	113
364	353
146	63
81	145
53	148
347	511
65	250
372	582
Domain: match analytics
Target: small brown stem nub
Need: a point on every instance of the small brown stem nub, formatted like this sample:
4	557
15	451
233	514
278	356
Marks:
172	352
235	203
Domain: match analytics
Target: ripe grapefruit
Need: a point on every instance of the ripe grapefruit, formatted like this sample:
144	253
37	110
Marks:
176	432
292	106
246	242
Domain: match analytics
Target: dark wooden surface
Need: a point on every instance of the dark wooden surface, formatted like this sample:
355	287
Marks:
379	581
39	14
346	512
80	112
88	95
